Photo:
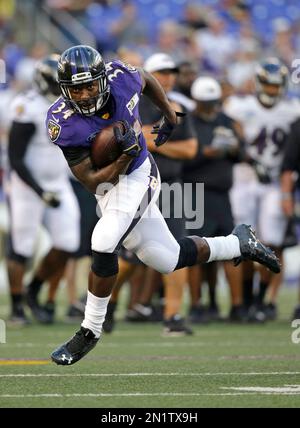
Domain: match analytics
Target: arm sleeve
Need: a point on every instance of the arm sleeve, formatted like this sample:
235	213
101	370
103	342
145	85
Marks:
20	135
75	155
291	160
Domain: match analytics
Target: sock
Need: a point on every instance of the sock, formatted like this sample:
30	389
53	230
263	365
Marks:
94	314
35	286
17	301
262	291
223	248
248	292
212	297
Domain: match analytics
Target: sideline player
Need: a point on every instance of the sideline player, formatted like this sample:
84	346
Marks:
266	117
38	190
96	95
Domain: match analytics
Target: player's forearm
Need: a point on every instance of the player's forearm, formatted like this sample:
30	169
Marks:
184	149
156	94
287	182
287	197
92	178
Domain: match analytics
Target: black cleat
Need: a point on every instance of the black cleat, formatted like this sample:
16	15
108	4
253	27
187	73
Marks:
70	352
176	327
237	314
296	313
256	314
49	308
270	311
144	313
252	249
198	314
39	313
75	313
18	317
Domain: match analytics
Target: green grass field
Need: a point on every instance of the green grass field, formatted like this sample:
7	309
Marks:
137	367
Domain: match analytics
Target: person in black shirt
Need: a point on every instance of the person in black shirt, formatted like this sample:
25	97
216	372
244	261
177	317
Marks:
219	148
289	182
187	73
290	166
181	146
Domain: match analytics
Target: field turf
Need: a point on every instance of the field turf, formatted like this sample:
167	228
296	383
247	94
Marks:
221	365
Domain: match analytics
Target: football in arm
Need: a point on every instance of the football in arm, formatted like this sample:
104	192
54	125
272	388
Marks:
105	149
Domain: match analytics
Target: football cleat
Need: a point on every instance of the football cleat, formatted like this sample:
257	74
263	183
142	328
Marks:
39	313
18	317
176	327
75	312
252	249
70	352
296	313
237	314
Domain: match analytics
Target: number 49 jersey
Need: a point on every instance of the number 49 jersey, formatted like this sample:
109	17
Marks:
265	129
68	128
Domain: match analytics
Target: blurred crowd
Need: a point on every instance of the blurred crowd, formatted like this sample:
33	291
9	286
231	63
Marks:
224	40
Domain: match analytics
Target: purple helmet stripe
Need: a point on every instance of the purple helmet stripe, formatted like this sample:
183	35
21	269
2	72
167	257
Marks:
73	63
84	60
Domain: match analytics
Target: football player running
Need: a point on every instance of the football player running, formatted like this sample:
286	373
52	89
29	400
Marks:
95	95
38	191
266	118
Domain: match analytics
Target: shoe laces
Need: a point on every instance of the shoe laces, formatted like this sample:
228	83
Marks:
81	338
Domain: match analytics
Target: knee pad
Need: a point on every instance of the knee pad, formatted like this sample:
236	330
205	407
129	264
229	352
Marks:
105	264
188	253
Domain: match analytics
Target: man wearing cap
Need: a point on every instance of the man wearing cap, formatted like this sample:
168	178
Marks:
182	145
219	149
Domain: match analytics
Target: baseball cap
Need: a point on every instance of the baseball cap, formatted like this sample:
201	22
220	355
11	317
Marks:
206	89
159	62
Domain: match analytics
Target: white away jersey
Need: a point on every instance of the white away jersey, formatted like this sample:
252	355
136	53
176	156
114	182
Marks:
45	161
265	130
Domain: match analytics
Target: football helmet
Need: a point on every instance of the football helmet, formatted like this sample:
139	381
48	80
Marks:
79	65
45	77
270	74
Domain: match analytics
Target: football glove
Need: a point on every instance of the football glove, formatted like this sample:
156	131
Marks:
262	173
51	199
128	140
164	129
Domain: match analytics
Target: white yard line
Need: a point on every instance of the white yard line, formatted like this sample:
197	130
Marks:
147	394
287	389
158	344
40	375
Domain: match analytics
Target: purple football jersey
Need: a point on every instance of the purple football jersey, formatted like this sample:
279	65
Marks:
67	128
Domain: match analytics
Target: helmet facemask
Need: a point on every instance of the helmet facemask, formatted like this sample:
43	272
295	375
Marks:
90	106
45	77
266	99
274	74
